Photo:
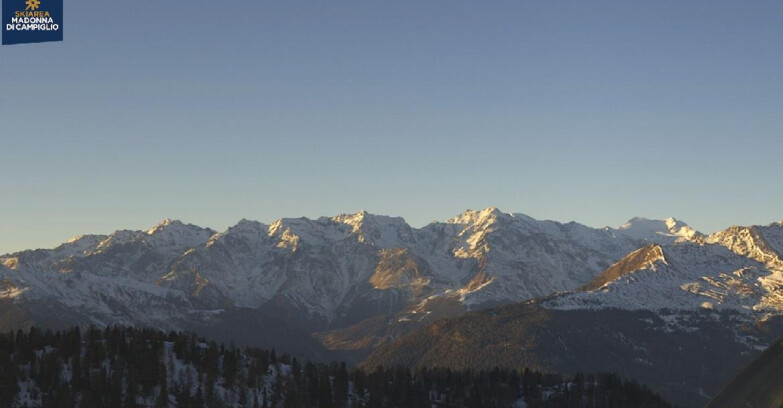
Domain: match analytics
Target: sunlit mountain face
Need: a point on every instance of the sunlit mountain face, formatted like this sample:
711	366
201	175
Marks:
358	285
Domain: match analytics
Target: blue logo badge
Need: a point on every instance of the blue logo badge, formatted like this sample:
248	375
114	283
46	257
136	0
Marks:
32	21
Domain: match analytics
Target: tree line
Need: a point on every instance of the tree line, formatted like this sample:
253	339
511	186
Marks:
124	367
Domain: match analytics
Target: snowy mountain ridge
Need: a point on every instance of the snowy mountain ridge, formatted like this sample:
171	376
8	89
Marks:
642	228
319	270
738	269
335	271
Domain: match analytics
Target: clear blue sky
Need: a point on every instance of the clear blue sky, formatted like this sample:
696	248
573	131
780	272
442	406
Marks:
213	111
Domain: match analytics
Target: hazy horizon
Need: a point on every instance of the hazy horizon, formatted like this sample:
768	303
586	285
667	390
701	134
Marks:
595	112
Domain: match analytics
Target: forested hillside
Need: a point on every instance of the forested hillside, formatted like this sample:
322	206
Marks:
126	367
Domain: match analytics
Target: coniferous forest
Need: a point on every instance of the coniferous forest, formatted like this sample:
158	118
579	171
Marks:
127	367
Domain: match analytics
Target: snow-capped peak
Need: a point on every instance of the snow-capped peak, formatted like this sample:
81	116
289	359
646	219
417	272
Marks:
75	239
355	220
478	217
175	233
652	230
381	230
244	228
163	224
245	224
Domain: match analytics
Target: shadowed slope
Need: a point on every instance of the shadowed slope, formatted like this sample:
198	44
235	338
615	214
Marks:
759	385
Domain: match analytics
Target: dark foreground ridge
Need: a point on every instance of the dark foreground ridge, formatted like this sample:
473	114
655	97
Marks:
760	384
683	366
126	367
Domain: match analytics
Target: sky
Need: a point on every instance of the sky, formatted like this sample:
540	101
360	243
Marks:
211	112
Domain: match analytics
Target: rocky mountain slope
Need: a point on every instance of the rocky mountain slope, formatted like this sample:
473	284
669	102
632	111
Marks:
681	316
328	273
739	269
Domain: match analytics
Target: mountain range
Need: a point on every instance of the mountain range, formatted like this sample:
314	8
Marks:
484	287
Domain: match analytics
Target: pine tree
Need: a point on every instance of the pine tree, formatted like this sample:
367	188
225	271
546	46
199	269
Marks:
324	391
341	386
